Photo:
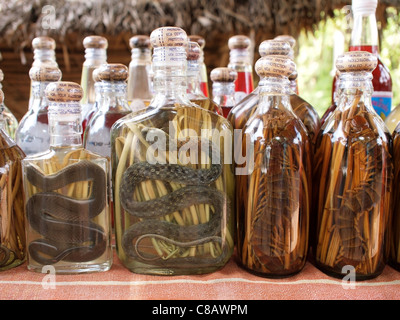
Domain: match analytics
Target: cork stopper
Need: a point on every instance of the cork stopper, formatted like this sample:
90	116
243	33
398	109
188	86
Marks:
45	73
356	61
44	43
139	41
287	38
274	47
275	66
239	42
194	51
1	96
1	75
168	37
63	91
199	39
97	42
112	72
223	75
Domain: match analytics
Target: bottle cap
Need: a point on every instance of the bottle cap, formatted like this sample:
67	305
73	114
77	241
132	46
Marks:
287	38
1	75
139	41
194	51
275	66
44	43
63	91
199	39
223	75
274	47
45	73
112	72
239	42
364	6
356	61
168	37
97	42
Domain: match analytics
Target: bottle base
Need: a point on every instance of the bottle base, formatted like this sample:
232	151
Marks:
332	272
282	275
70	269
14	264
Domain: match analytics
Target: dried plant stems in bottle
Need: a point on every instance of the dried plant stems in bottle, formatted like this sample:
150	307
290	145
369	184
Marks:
273	193
353	178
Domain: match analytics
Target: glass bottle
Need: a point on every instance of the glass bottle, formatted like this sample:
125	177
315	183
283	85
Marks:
172	159
223	88
32	134
66	197
139	82
353	178
273	185
95	56
239	60
364	37
10	122
12	231
194	92
244	109
203	68
394	257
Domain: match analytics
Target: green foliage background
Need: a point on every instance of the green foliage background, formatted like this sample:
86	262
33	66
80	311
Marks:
315	57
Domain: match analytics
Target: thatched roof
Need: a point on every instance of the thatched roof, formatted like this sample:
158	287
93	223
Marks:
23	20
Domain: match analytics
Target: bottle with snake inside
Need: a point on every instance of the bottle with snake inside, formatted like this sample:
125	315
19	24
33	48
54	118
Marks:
12	220
353	177
66	194
172	178
273	185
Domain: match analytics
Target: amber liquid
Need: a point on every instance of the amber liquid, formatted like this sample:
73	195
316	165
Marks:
394	258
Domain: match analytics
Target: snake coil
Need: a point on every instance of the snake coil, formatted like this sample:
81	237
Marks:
65	222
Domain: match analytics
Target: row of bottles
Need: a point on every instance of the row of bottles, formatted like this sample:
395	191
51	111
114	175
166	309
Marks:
188	178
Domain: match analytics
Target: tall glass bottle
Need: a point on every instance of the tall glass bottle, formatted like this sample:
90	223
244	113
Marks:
32	134
12	231
194	92
353	178
66	198
273	193
95	56
239	60
223	88
364	37
203	68
172	178
10	122
244	109
140	89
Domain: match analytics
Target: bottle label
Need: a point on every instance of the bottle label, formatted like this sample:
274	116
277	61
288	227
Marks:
382	102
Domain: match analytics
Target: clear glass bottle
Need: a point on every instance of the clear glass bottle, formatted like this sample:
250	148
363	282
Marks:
364	37
244	109
95	56
203	68
66	194
353	178
239	60
12	231
223	88
172	159
273	185
140	90
194	92
10	121
32	134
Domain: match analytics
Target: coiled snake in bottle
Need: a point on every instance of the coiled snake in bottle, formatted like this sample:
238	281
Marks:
196	191
65	222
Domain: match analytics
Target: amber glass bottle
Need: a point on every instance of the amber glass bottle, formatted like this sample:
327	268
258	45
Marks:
353	178
273	185
172	178
12	231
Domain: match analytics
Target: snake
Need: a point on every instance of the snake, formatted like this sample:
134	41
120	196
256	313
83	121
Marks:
196	191
64	222
6	254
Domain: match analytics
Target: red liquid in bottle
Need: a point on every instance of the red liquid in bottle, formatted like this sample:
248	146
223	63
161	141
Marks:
244	82
204	88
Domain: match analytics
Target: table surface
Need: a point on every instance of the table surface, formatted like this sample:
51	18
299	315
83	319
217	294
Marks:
229	283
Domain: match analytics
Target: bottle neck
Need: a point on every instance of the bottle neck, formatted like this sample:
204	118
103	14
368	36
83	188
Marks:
364	36
193	79
274	94
112	95
65	124
224	93
140	56
95	56
39	100
41	56
239	57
